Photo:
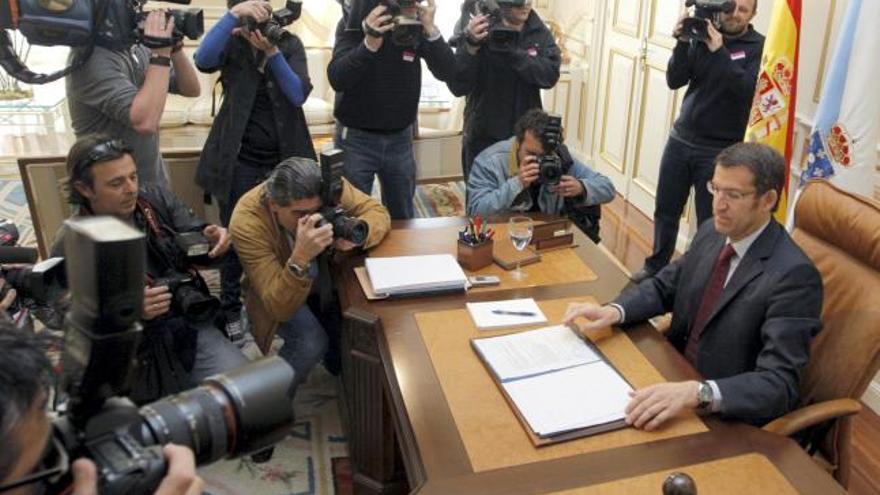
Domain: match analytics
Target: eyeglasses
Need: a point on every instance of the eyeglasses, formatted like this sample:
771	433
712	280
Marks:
728	194
102	152
54	464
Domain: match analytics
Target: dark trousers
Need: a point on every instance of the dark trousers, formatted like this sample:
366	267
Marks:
244	178
388	155
682	166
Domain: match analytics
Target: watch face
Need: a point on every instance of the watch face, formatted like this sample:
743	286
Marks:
705	395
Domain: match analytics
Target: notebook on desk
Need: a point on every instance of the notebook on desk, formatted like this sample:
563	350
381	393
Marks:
415	275
559	384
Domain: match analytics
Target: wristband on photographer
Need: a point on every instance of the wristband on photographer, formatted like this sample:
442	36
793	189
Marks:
369	31
160	60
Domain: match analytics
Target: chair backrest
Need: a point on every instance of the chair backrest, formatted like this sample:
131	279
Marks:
840	232
44	180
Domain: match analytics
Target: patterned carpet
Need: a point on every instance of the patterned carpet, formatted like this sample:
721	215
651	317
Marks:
313	460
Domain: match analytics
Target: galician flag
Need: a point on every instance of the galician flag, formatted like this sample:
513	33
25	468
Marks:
843	143
771	120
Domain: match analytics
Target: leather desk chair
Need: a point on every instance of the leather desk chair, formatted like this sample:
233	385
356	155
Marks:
840	232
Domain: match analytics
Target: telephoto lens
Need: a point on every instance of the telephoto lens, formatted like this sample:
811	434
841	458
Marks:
229	415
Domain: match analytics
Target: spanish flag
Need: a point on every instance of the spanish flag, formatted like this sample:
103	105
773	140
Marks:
771	120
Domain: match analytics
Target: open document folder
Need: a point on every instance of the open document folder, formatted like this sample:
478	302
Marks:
556	380
402	275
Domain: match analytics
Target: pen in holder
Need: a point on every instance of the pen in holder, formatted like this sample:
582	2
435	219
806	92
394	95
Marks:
475	245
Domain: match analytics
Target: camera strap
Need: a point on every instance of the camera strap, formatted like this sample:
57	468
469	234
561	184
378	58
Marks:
150	216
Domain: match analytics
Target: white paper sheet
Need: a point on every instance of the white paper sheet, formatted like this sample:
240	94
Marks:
533	352
483	316
579	397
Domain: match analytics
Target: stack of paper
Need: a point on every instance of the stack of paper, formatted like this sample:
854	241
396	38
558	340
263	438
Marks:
557	382
510	313
407	275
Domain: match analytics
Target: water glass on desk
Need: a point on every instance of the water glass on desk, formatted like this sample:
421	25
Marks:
520	231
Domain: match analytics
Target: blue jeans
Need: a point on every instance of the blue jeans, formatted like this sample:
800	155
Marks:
388	155
305	342
215	354
682	166
244	178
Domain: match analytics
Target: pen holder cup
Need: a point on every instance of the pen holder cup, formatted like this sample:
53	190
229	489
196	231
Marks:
475	257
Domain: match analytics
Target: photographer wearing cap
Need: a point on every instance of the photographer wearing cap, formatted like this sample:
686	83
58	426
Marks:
260	122
501	82
182	343
720	73
279	235
25	428
121	91
507	177
378	83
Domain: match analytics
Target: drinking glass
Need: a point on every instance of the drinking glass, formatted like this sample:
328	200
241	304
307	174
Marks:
520	231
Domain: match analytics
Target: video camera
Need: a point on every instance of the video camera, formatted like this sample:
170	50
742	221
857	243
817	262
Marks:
229	415
116	24
273	28
344	227
501	38
404	15
552	166
695	28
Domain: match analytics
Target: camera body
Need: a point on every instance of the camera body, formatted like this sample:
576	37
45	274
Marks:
694	28
229	415
345	227
189	297
273	28
550	164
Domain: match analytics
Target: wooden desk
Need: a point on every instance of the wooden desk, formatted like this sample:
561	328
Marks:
403	437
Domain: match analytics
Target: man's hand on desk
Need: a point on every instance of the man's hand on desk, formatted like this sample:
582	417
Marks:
652	406
597	316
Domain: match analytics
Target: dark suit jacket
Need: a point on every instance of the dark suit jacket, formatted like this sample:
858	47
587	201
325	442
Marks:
757	340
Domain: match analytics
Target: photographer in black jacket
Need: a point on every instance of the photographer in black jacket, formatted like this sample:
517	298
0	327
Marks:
501	84
181	342
378	85
721	74
260	123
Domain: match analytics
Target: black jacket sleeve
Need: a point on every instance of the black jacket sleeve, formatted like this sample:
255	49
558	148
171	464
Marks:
351	59
440	59
181	216
467	71
542	70
679	69
295	54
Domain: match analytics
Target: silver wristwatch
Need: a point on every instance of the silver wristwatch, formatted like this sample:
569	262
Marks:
297	270
704	396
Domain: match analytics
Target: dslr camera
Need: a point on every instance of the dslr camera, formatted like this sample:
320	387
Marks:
189	297
273	28
116	24
229	415
345	227
501	38
695	28
42	282
552	167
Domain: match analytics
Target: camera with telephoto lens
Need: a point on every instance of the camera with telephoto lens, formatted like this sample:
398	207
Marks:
229	415
273	29
501	38
115	24
550	164
345	227
189	297
695	28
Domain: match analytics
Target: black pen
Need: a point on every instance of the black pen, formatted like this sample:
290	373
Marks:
512	313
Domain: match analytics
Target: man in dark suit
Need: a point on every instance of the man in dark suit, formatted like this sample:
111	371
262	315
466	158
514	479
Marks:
745	303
